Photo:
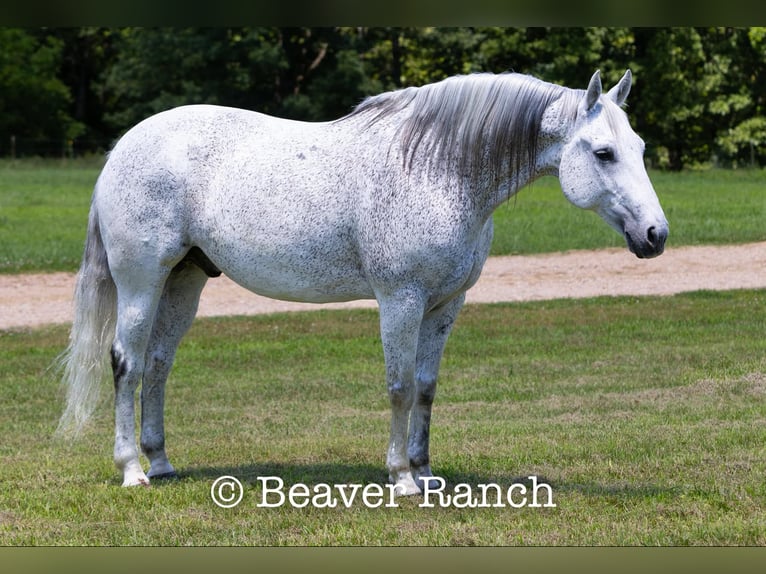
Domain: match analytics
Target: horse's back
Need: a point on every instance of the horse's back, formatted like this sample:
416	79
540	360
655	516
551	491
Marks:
190	138
195	157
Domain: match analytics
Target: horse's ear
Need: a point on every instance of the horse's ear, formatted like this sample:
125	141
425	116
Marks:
594	91
620	92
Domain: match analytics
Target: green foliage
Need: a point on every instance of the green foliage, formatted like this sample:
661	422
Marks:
33	100
747	139
698	98
300	73
698	86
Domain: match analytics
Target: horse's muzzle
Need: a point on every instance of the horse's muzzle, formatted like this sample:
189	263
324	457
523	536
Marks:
649	244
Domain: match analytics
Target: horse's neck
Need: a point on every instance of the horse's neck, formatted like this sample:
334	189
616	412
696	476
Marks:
547	163
556	129
548	158
488	190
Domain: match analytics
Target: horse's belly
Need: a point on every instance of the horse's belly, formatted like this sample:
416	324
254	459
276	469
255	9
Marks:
296	275
289	286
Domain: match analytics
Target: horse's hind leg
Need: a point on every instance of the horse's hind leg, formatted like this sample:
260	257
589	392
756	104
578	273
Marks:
434	332
138	295
175	314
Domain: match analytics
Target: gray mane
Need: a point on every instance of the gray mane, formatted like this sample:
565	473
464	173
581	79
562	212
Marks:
485	122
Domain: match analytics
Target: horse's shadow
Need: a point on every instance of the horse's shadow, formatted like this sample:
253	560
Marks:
291	473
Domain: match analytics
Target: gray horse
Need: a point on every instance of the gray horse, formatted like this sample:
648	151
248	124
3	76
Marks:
393	202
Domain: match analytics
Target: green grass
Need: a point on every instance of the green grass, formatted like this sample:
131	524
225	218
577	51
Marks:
44	206
645	414
43	214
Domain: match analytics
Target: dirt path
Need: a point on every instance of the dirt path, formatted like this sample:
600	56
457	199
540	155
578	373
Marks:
38	299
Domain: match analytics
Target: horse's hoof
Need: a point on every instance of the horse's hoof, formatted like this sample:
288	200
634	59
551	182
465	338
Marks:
424	477
162	470
406	486
428	482
138	481
406	489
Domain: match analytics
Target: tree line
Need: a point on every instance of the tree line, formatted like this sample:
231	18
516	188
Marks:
699	94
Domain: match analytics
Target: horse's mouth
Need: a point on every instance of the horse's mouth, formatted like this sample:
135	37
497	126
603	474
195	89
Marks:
645	237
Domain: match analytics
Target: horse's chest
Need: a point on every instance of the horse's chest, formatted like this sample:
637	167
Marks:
442	259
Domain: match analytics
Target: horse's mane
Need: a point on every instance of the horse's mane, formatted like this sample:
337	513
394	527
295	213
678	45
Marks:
483	121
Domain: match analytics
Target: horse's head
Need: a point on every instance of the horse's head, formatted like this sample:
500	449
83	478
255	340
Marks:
602	168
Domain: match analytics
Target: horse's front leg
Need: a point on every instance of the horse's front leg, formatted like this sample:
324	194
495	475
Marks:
434	332
400	319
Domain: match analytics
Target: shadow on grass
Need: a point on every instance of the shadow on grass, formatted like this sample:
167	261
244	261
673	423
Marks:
332	473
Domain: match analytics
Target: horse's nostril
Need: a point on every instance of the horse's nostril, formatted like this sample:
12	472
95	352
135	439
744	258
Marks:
651	235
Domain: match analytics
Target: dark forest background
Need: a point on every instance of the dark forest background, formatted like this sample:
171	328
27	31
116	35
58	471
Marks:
698	99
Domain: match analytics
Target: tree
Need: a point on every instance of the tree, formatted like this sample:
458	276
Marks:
86	53
326	74
160	68
742	139
300	73
701	95
34	102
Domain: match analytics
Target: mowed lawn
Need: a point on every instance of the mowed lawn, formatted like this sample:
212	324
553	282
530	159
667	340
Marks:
646	416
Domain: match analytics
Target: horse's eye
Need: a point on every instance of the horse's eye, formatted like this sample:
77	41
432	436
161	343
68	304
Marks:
604	154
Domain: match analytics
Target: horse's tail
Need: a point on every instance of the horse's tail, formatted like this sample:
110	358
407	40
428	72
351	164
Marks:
84	364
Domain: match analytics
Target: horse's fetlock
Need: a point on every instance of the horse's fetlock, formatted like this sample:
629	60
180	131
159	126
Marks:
153	446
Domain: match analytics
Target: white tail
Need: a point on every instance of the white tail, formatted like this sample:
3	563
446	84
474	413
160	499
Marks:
85	362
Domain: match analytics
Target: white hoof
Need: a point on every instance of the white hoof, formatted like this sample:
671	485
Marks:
135	479
405	485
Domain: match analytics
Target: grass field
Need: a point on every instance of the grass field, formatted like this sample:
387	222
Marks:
44	207
646	416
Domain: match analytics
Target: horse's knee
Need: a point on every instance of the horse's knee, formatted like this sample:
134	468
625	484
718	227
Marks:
400	393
